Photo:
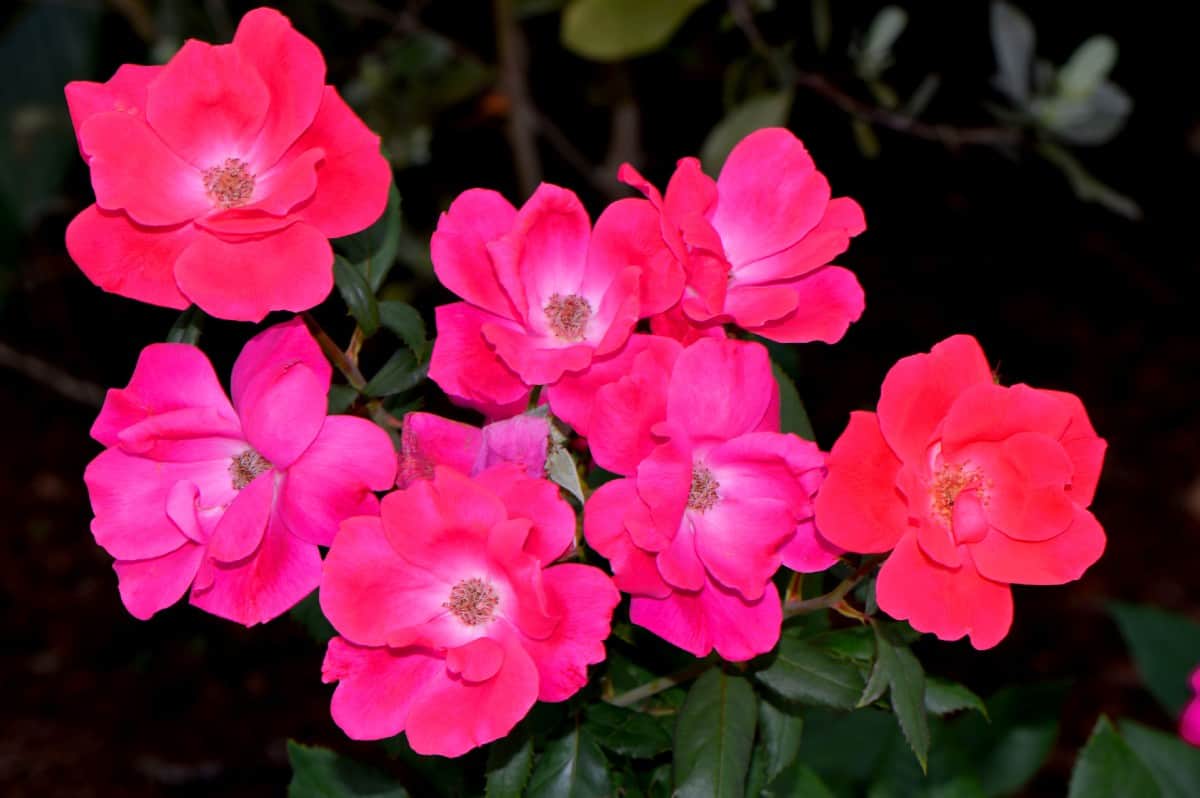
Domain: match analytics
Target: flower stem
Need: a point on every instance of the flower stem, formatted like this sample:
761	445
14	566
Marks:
335	354
345	363
834	597
656	686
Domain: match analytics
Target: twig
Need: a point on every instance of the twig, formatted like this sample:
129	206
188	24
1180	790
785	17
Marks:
949	135
51	376
349	369
561	144
834	597
334	353
656	686
512	54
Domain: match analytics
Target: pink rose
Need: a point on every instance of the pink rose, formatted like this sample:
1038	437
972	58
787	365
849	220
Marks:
452	619
755	244
972	486
230	500
715	497
427	440
221	176
544	293
1189	722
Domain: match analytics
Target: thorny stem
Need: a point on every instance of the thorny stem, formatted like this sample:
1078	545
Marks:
656	686
832	599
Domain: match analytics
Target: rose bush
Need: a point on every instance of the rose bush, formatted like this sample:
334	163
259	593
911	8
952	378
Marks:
637	439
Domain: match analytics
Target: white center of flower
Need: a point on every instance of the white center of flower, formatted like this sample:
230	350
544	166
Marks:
473	601
703	493
568	316
229	183
245	468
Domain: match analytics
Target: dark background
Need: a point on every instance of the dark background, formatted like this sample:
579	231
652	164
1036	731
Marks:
1062	295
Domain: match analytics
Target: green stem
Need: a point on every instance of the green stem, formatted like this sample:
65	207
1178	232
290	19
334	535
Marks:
656	686
835	596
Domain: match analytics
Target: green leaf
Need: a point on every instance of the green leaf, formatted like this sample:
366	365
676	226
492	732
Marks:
406	323
572	766
1088	66
851	643
612	30
1165	648
1010	749
321	773
780	734
509	762
1174	764
1090	119
1085	185
340	398
1013	40
187	328
896	665
875	55
792	415
308	614
562	471
806	674
797	780
357	295
865	138
765	110
1108	768
713	737
373	251
400	373
944	697
625	731
849	746
919	100
447	782
822	25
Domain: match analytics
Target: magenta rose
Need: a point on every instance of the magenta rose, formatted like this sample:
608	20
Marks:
221	176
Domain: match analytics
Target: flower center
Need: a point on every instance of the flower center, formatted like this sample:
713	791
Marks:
473	601
568	316
703	493
229	183
949	482
245	468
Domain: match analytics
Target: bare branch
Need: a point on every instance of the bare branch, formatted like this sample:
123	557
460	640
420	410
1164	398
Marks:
513	55
949	135
52	377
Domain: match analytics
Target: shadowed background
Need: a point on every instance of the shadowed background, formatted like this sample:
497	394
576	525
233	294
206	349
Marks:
984	238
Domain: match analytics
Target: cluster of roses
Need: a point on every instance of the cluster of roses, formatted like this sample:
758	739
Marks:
219	179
